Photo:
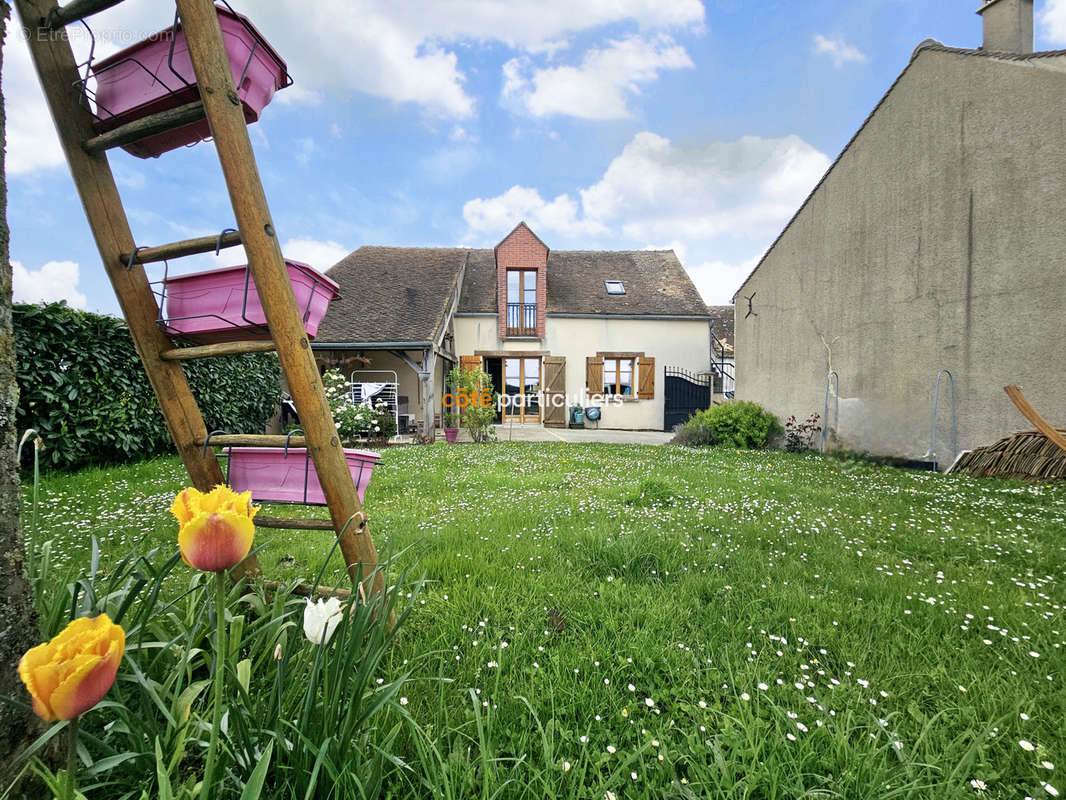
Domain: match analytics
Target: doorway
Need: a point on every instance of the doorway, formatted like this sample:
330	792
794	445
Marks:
521	390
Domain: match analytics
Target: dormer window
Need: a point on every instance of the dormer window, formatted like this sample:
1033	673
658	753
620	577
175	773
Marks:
614	287
521	302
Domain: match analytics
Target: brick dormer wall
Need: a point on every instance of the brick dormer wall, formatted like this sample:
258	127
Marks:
521	249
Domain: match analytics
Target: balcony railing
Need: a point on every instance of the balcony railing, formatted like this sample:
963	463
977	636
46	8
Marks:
521	319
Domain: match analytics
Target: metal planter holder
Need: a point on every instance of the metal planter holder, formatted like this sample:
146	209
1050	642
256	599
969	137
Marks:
182	92
305	500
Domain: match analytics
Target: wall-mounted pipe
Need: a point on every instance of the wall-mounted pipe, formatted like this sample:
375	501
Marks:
832	380
954	421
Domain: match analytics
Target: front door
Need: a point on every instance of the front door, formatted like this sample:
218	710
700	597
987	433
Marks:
521	390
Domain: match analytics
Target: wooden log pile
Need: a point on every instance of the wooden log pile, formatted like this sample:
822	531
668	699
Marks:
1028	455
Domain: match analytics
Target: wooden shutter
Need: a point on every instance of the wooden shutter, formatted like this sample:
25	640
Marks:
555	410
594	375
646	384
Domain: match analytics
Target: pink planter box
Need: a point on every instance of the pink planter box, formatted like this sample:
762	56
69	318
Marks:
272	475
139	81
222	305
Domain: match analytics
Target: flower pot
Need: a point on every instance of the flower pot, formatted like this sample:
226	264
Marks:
451	434
223	305
277	475
156	75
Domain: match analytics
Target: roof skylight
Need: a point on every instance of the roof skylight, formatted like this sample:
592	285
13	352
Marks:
614	287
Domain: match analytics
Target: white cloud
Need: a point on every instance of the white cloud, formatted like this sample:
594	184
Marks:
837	49
600	87
1053	22
401	52
719	204
32	142
717	281
405	52
55	281
318	254
501	213
747	188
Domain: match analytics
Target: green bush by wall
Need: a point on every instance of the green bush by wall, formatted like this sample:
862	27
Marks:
82	387
739	423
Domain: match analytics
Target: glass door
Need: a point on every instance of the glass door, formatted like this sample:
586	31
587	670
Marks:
521	390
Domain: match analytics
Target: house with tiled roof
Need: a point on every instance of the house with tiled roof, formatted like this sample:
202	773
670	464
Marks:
723	360
551	328
932	251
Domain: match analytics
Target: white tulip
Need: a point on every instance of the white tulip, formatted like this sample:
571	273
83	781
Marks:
321	619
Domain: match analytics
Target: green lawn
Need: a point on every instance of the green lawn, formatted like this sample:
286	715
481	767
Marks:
663	622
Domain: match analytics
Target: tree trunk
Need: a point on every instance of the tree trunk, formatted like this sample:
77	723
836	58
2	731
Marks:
18	623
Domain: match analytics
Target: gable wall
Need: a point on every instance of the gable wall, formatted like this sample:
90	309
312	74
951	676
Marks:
937	242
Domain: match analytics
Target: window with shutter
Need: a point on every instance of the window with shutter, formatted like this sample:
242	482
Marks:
626	375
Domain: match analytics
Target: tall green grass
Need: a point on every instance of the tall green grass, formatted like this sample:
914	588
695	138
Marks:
790	626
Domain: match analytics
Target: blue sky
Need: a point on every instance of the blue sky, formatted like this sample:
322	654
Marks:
605	124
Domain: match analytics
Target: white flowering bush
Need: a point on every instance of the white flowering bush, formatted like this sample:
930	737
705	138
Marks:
356	421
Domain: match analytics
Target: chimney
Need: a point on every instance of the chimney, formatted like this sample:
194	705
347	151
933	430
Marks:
1008	25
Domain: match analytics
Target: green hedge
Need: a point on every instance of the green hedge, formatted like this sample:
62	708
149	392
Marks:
82	387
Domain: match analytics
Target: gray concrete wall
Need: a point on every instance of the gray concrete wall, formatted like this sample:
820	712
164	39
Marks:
937	241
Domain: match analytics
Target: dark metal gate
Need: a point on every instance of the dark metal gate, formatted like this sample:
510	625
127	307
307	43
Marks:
686	392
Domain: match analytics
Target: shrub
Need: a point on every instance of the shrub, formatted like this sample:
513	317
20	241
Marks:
738	423
799	436
81	386
468	385
364	420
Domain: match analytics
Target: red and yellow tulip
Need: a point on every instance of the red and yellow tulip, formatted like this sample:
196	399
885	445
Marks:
216	528
71	673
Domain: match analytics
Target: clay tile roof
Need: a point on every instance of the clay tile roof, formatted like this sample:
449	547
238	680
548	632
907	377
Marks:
391	294
933	44
479	284
654	280
723	323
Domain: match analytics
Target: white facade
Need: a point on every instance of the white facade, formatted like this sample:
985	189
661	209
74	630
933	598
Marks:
677	342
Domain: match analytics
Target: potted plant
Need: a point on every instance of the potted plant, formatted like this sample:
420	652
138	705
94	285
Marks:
451	426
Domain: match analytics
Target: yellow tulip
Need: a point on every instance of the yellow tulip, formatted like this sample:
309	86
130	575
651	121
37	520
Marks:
216	528
70	674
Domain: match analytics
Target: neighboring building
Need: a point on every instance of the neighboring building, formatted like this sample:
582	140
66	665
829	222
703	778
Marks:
550	328
935	241
395	315
723	360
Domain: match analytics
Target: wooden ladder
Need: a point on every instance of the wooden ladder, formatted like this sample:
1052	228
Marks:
45	25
